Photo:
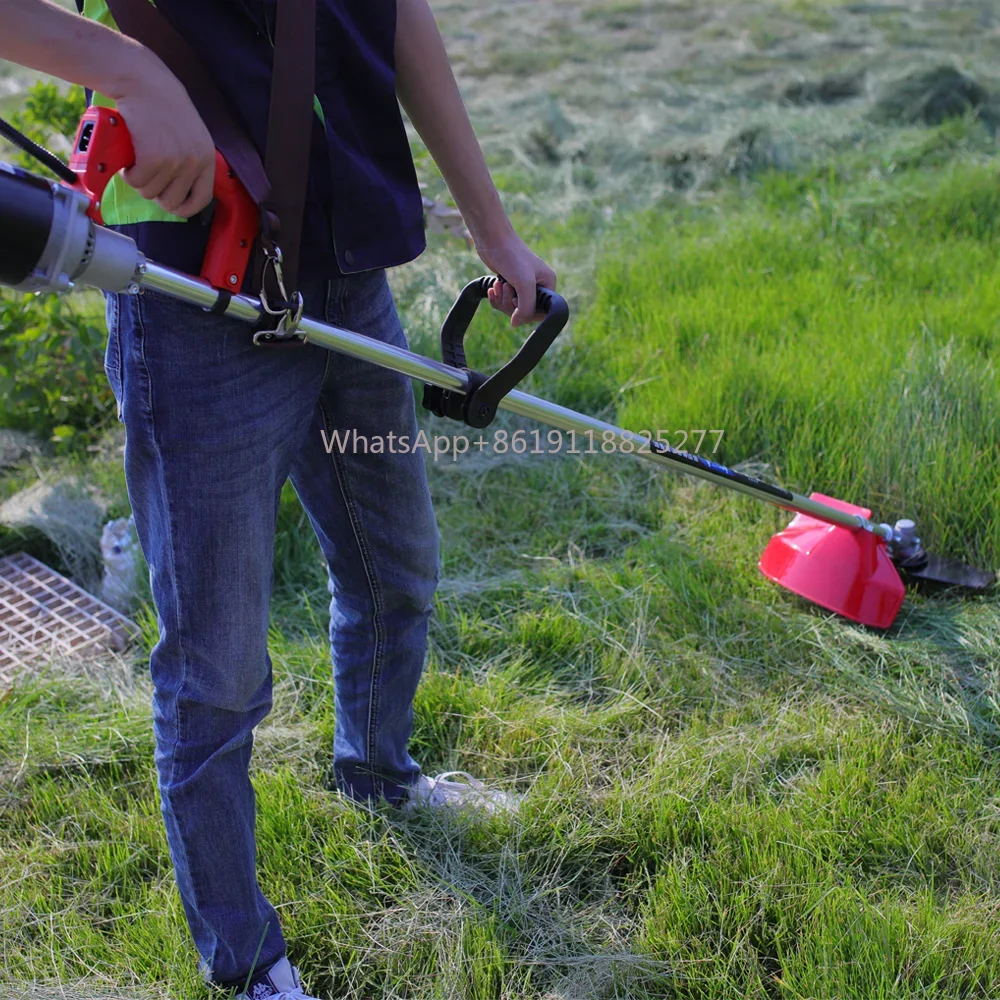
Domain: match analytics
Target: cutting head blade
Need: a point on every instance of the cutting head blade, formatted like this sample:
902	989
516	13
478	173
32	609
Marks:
941	571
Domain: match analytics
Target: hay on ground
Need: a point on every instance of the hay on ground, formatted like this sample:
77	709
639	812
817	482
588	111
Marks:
828	90
929	97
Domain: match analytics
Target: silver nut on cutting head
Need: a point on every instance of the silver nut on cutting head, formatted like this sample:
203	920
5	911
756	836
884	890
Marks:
904	537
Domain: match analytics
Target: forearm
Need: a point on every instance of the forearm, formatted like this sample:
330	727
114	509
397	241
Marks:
430	96
43	36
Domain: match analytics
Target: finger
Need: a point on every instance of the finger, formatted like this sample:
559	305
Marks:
547	278
154	185
502	297
201	192
527	296
509	299
150	174
177	191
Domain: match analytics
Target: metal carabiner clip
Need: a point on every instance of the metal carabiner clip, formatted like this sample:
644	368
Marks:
289	310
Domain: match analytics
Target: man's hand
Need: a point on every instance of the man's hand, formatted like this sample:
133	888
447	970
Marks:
174	154
523	271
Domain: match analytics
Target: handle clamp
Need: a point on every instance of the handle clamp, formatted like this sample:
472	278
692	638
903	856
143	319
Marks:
478	405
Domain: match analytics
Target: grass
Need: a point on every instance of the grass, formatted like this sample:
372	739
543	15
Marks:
785	333
730	793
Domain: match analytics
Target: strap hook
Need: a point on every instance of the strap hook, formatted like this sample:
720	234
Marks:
289	310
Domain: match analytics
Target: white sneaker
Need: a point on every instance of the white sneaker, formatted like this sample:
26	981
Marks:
280	983
439	792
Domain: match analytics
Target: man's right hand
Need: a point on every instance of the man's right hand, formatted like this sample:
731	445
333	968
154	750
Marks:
174	154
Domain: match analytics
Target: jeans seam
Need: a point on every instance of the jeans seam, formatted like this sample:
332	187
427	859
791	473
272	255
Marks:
113	329
367	563
113	373
141	323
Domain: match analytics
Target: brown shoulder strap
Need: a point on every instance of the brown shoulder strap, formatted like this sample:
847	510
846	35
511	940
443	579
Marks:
289	132
290	124
142	21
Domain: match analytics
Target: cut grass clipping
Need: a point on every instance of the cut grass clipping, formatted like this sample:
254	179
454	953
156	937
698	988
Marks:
731	794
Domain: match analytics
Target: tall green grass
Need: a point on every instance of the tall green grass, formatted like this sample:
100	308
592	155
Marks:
731	794
851	347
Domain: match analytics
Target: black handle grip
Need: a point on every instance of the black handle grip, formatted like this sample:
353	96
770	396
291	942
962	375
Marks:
479	405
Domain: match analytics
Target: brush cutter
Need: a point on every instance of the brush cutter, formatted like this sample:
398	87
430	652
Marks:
832	553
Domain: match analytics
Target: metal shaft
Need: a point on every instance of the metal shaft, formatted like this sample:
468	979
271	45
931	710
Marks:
188	289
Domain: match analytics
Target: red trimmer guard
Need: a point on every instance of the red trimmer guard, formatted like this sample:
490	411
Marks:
849	572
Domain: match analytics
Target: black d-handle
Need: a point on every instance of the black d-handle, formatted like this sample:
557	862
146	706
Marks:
478	406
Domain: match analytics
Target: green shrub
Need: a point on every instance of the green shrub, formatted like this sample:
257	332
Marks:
51	350
51	366
47	112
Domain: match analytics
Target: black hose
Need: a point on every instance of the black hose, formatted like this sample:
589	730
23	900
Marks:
40	153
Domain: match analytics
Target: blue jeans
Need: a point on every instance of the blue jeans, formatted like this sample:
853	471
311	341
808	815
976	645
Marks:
214	426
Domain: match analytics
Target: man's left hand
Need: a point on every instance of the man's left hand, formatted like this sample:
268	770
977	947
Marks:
523	271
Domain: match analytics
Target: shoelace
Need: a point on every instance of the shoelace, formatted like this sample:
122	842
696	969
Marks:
296	993
469	782
439	791
491	798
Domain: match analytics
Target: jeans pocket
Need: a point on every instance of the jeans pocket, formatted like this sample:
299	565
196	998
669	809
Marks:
112	352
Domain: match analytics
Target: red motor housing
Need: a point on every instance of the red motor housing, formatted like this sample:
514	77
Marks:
103	146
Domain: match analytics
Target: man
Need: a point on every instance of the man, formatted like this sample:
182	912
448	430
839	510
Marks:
214	426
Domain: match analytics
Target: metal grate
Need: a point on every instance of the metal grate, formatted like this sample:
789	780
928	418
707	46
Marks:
43	616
